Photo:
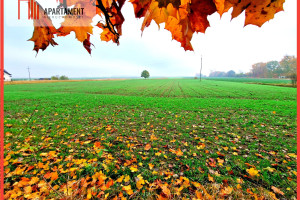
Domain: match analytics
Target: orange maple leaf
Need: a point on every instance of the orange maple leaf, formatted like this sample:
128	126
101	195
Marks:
148	147
54	176
43	33
181	17
48	175
97	144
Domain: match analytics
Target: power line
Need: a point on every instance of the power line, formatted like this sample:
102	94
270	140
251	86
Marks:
29	73
201	67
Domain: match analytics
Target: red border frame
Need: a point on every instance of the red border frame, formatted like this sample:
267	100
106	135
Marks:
2	101
298	99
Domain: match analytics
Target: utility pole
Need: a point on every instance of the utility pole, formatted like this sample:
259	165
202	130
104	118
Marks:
29	73
201	67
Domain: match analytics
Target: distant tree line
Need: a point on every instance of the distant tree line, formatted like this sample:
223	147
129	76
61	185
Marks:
230	73
63	77
286	68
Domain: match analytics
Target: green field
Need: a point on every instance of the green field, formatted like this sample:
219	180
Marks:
267	81
148	139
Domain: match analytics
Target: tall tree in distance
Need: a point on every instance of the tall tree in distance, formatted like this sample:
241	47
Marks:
288	65
272	67
230	73
259	70
145	74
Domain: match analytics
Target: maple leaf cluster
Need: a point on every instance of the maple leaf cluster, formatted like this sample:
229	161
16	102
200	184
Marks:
181	17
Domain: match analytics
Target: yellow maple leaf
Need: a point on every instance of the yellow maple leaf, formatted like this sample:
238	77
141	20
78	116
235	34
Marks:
158	154
226	191
56	187
133	169
151	166
127	178
154	172
210	178
89	194
128	189
28	190
201	146
140	184
33	180
270	169
252	172
43	154
19	171
165	190
120	179
152	137
273	195
179	152
197	185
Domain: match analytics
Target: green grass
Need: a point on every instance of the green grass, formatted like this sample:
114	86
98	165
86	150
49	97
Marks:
255	80
218	127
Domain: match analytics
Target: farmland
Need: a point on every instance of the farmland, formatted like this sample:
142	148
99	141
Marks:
264	81
150	139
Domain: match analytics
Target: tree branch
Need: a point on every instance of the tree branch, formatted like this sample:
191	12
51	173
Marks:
109	24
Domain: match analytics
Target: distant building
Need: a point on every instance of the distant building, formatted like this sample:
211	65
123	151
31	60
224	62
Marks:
7	76
41	79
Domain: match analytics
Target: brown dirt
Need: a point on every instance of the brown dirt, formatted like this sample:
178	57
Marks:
55	81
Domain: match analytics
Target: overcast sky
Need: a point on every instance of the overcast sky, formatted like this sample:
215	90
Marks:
226	45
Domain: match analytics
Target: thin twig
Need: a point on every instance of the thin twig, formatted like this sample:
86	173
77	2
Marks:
29	119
